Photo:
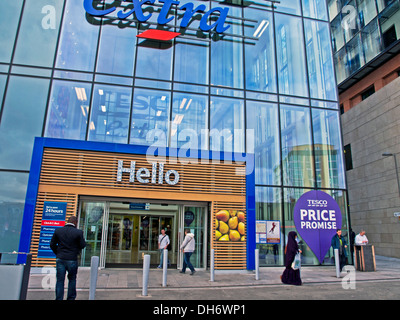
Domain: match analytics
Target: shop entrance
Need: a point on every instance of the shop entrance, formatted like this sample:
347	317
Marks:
122	232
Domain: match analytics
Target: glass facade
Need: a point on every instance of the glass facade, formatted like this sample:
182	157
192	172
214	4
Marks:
66	74
361	30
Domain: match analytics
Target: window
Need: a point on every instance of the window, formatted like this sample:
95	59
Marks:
226	125
290	55
348	158
22	120
189	121
369	92
297	158
259	55
150	117
264	141
109	117
68	110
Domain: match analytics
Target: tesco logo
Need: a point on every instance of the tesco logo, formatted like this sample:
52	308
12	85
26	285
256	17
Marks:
163	18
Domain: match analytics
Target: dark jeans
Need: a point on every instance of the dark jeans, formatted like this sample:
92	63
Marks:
186	262
63	266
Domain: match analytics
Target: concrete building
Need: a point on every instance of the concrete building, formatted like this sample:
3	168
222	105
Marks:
370	129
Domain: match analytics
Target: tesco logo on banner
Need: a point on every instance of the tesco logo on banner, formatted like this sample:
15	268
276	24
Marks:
316	216
162	19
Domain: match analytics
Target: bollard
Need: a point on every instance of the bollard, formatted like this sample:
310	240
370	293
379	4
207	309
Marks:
94	267
337	263
165	266
146	269
212	266
257	251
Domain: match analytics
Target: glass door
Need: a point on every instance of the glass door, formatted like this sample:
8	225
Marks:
93	222
194	218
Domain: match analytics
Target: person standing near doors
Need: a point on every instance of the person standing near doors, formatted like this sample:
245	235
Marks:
187	248
66	243
163	242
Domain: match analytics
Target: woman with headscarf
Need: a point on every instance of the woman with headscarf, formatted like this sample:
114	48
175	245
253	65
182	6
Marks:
291	276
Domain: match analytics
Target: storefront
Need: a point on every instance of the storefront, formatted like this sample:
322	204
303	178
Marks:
123	197
98	82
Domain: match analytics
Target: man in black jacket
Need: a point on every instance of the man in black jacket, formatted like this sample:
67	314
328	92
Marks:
66	244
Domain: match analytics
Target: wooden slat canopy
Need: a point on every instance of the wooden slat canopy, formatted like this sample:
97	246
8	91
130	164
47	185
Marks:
67	174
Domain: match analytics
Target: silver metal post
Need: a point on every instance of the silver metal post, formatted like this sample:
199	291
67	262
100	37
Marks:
165	266
337	263
212	264
257	253
146	269
94	268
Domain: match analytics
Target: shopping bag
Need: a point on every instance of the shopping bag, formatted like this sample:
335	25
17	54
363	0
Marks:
296	262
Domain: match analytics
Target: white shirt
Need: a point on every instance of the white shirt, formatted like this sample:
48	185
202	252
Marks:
163	242
360	239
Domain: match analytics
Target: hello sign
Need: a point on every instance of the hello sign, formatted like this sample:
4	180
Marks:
317	216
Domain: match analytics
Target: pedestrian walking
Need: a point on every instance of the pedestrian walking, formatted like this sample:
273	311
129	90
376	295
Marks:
163	242
187	248
66	243
291	274
339	242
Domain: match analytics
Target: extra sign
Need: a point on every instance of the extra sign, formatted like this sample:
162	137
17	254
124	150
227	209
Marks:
142	15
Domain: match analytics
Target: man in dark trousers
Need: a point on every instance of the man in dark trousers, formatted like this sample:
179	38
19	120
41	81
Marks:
66	243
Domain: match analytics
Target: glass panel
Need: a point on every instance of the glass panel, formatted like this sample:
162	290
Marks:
371	41
269	207
154	59
297	158
22	120
355	56
264	142
366	11
390	23
290	55
337	34
117	49
340	60
91	222
38	34
189	121
150	117
227	54
260	57
191	61
334	7
226	125
78	40
12	203
68	110
350	21
197	227
290	197
328	149
340	198
288	6
109	118
10	13
315	9
319	60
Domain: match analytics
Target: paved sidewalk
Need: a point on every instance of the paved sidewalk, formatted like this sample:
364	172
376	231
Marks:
113	280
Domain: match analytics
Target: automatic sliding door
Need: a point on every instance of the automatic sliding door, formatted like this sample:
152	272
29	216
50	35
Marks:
195	220
93	222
